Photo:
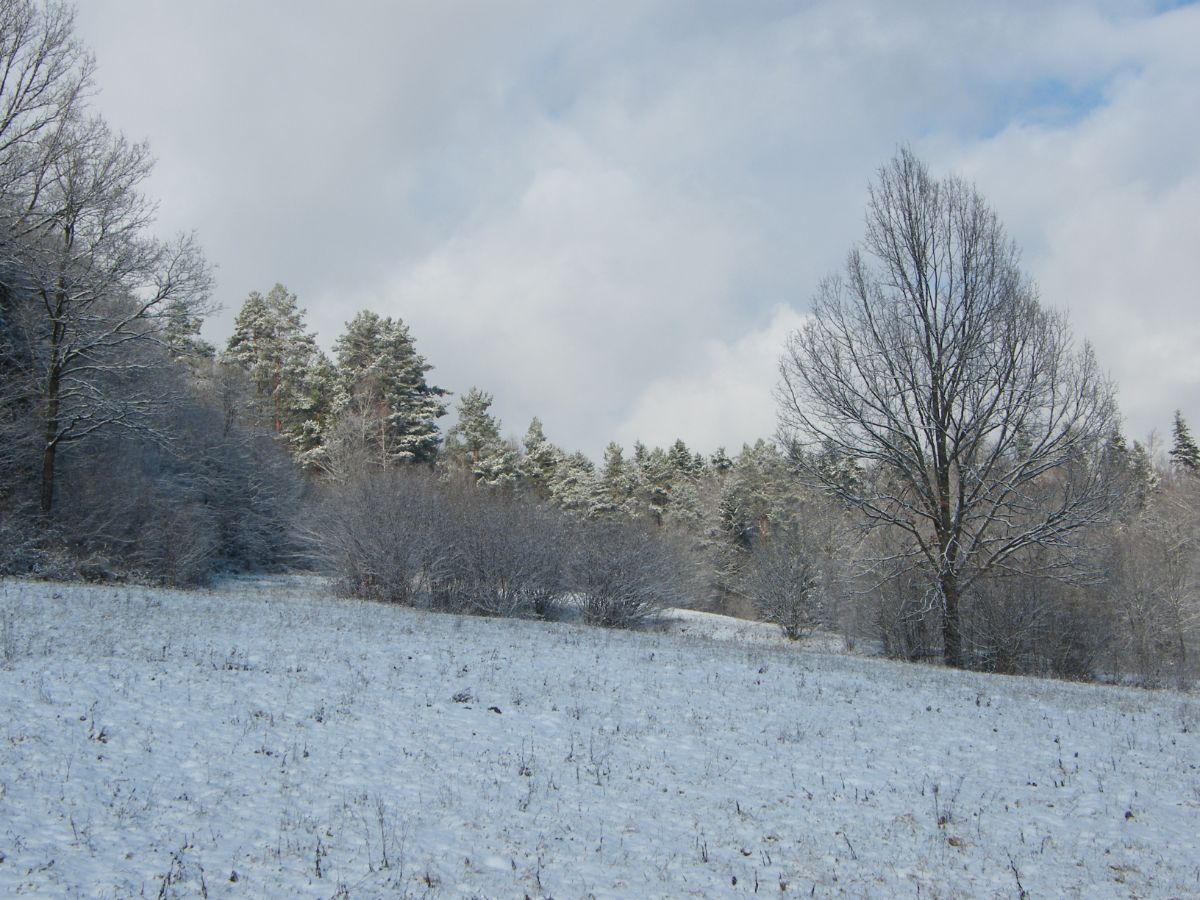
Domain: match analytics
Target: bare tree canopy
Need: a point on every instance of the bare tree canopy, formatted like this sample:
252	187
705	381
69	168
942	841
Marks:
86	292
44	75
981	430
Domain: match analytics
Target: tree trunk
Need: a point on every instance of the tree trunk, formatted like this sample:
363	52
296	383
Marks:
48	455
51	445
951	626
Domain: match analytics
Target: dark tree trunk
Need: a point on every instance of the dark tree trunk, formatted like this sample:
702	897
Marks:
951	625
50	448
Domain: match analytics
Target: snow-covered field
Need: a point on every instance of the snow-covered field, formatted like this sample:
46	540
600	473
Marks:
266	740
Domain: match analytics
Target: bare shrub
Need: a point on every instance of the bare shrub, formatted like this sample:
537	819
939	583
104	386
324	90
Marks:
1036	626
624	574
18	539
180	545
375	533
904	616
498	555
783	580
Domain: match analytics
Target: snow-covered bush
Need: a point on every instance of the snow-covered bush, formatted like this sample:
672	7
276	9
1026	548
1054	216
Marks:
497	555
783	581
375	534
623	574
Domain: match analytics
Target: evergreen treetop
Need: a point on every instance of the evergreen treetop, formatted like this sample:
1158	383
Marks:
1184	452
381	375
272	345
474	444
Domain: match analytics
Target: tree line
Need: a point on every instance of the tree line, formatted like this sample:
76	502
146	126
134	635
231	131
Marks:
949	478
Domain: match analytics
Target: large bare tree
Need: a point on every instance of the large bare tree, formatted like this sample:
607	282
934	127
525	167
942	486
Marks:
45	75
979	428
93	292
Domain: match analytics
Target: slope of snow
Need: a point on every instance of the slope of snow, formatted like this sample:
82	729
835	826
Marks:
266	740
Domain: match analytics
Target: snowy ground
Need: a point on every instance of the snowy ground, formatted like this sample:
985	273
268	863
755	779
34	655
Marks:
265	740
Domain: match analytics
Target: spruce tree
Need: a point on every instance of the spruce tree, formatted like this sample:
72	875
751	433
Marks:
539	462
616	482
381	381
574	487
474	445
272	345
1184	453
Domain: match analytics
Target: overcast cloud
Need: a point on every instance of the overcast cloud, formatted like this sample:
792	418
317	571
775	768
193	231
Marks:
610	215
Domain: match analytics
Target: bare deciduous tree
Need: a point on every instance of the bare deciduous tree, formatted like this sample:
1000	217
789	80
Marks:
44	76
930	361
94	289
1156	580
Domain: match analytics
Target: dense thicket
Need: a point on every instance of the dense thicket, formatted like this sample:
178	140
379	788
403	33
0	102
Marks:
120	450
407	536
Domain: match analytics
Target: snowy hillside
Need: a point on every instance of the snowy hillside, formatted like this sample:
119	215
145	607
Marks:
266	740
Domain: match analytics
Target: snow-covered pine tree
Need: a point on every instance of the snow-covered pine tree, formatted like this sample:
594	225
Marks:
617	483
573	486
654	475
755	493
309	442
272	345
182	334
1142	475
1184	452
381	382
720	462
474	445
539	462
681	458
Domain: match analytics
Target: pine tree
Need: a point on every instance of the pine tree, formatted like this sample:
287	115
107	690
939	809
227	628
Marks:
755	494
574	487
1184	453
681	458
474	445
641	456
381	380
654	484
1142	476
272	345
182	334
617	483
539	462
720	462
309	442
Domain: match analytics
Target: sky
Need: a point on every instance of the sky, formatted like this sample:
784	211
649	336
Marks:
611	215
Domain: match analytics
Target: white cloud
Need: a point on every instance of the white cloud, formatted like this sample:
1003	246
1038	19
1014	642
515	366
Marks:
1105	208
566	304
719	396
592	210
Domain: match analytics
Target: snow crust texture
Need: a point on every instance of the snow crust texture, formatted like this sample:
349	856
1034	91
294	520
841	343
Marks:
267	740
